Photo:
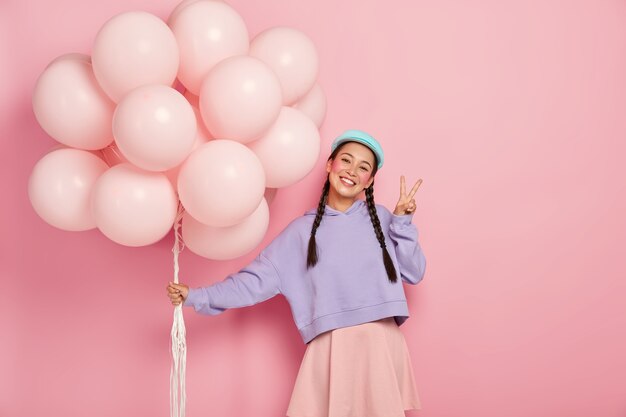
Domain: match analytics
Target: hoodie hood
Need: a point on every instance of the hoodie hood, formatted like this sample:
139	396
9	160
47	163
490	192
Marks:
356	207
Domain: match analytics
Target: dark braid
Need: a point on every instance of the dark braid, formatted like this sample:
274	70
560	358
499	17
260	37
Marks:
311	259
371	207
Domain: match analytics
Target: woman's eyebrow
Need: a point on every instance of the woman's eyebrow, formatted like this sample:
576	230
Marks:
364	161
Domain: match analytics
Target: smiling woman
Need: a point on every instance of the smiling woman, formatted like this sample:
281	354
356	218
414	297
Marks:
347	300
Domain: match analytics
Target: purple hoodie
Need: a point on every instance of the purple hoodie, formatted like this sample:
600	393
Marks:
349	284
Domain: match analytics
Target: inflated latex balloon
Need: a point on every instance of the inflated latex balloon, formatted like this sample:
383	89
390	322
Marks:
207	32
60	185
221	183
240	99
154	126
133	207
222	243
313	104
70	105
292	56
289	150
134	49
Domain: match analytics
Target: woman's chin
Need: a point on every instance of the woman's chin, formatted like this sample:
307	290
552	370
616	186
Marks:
348	193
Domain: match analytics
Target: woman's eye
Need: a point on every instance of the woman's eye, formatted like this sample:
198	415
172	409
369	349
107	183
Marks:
345	160
364	169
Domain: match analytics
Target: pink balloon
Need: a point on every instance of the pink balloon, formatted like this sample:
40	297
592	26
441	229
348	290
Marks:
240	99
289	150
207	33
221	183
134	49
202	137
313	104
222	243
59	188
292	56
154	126
70	106
269	195
134	207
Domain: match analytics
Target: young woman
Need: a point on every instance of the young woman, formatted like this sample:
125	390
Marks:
341	268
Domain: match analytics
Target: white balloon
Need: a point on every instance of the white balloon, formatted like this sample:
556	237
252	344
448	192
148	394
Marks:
134	49
70	105
221	183
133	207
60	187
154	126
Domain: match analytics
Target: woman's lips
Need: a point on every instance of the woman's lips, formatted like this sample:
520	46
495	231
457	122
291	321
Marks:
347	182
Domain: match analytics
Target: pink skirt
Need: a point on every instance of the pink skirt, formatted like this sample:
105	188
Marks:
356	371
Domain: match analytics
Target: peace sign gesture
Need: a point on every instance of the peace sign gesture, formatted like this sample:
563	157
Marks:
406	203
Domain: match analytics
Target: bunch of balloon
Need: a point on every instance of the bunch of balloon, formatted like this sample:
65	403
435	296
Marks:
185	124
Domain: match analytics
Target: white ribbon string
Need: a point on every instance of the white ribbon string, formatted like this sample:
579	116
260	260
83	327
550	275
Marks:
179	346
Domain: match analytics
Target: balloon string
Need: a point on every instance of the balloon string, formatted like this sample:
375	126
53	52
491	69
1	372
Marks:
179	347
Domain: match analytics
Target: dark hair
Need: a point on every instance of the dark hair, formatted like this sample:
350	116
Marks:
312	257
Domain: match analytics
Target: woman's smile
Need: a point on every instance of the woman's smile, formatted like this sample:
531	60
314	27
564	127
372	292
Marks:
347	181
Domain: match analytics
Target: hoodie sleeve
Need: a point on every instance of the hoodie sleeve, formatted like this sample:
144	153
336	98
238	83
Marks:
257	282
411	260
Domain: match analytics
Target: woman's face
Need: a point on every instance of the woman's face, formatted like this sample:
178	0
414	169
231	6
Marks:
351	170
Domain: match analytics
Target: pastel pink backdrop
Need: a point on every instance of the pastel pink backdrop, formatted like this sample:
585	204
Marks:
512	112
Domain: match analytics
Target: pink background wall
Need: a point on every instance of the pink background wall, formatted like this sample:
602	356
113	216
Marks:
512	113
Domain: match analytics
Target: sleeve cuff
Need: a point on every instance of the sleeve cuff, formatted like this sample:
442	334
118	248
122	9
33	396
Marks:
194	298
404	219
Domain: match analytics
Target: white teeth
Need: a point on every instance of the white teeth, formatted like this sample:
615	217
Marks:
348	181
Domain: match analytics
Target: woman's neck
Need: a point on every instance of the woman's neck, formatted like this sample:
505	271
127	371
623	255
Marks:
339	202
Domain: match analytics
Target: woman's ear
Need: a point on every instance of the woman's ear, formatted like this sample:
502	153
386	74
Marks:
328	165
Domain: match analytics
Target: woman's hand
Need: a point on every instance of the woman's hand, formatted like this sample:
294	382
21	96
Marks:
406	203
177	293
